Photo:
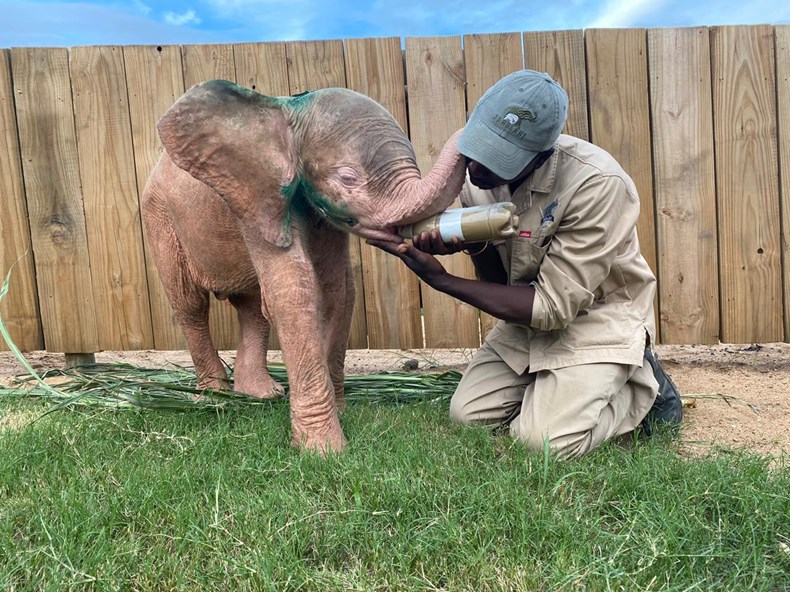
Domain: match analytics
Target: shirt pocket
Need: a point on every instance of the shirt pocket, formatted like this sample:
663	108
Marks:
526	256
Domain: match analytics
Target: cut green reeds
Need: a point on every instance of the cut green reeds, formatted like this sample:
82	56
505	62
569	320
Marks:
126	385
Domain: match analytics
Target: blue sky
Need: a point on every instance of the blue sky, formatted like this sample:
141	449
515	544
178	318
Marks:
99	22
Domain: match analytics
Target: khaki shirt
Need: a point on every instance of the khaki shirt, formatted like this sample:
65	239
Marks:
577	245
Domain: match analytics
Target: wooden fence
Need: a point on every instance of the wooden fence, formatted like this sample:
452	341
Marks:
700	118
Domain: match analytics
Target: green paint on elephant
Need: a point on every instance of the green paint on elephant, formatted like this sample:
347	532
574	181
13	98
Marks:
295	102
301	198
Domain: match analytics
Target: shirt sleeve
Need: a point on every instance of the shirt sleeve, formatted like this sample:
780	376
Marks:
599	220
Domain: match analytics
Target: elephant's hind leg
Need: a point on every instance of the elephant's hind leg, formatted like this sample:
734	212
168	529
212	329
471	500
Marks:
250	373
192	314
189	301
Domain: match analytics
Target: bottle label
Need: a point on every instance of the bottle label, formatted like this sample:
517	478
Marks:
450	225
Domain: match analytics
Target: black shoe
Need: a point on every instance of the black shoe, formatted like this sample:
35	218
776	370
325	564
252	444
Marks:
667	408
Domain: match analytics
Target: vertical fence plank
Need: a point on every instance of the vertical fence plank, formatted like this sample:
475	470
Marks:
202	63
487	58
436	80
19	310
561	55
680	94
313	65
374	67
782	33
154	79
207	62
112	210
52	183
744	110
263	67
619	115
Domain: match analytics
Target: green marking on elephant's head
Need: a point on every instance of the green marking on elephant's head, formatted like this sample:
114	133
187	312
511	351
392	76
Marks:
242	90
251	96
300	101
302	198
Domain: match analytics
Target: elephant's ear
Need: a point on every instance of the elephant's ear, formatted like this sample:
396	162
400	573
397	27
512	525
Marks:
239	143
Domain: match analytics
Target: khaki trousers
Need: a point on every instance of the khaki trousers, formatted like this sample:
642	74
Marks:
576	408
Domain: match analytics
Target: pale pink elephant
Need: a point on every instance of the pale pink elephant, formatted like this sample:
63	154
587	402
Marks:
252	200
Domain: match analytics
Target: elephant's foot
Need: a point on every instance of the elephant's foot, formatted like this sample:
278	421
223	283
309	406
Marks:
217	384
210	383
323	439
262	386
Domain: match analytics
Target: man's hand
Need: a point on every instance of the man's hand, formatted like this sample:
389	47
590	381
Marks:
432	243
423	264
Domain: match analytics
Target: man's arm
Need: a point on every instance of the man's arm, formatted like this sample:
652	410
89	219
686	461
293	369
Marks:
485	258
509	303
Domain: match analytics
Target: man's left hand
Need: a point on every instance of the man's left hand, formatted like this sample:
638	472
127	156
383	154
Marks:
424	265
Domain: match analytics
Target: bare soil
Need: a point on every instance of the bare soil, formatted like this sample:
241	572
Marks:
735	396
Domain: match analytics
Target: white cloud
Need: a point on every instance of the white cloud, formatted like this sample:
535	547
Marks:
744	13
683	13
141	7
277	20
186	18
461	17
64	24
625	13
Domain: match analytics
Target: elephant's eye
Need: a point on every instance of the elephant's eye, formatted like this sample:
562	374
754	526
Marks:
348	176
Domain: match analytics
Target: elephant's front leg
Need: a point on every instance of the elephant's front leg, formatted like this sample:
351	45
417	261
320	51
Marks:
292	301
333	265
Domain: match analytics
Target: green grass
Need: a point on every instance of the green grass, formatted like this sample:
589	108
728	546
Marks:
131	499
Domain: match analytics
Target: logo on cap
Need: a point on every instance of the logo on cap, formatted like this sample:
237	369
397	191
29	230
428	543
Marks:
515	115
513	118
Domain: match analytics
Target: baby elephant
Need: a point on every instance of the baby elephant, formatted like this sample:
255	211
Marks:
253	199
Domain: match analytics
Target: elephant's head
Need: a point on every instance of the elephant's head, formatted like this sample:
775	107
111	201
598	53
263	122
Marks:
333	151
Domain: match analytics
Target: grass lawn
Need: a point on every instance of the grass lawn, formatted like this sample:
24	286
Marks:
205	500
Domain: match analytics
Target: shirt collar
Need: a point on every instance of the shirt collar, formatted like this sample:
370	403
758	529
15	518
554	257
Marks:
542	180
497	194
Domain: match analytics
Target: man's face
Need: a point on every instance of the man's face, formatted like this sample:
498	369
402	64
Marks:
484	178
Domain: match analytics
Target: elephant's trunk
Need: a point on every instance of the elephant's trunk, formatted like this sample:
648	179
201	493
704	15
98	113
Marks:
434	193
417	198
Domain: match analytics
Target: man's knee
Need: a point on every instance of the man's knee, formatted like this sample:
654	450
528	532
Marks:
561	445
460	411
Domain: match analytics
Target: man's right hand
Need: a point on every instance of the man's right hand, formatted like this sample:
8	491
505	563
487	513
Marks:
432	243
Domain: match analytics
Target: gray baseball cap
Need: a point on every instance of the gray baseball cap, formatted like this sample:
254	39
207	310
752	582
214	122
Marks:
521	115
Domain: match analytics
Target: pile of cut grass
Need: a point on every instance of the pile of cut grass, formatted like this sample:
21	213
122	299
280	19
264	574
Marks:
175	388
